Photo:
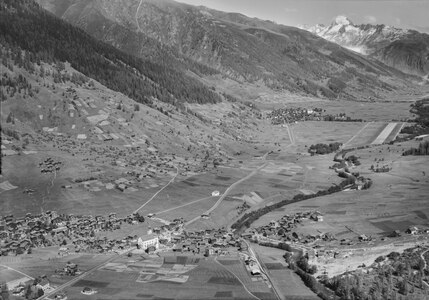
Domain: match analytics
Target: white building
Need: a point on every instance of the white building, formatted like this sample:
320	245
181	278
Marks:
215	193
148	240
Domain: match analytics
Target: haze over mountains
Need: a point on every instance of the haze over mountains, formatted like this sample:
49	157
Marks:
404	49
231	47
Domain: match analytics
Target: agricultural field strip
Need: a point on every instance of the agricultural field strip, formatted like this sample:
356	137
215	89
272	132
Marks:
242	283
153	197
353	137
227	191
291	137
384	134
392	136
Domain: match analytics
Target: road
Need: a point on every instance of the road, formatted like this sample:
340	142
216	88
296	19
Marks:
353	137
424	260
219	201
255	256
183	205
81	276
153	197
136	17
242	283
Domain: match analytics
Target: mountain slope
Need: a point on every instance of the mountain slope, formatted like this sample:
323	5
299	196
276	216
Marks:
240	48
30	27
406	50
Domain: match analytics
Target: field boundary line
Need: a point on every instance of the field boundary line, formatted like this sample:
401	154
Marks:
357	133
10	268
218	202
242	283
154	195
183	205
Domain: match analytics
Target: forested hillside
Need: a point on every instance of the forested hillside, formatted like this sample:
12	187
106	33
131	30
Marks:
242	50
24	25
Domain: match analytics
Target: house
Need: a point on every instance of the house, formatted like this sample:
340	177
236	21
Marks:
395	233
44	284
254	270
364	238
412	230
215	193
146	241
150	250
88	291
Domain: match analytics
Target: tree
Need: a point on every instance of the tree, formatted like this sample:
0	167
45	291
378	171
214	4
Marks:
9	118
403	287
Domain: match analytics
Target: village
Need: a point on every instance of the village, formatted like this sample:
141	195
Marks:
79	234
289	115
287	230
21	235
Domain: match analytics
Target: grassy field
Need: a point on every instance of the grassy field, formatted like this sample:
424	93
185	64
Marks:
396	200
312	132
368	133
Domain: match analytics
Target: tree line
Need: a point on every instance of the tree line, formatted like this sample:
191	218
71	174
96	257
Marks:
423	149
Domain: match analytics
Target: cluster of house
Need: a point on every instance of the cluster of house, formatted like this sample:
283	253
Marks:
70	269
291	115
207	242
283	229
30	289
49	165
19	235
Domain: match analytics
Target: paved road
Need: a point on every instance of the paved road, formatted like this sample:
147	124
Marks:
153	197
219	201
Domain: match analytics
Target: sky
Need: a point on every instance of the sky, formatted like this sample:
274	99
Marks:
412	14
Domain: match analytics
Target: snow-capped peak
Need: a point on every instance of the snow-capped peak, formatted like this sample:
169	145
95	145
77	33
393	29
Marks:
343	20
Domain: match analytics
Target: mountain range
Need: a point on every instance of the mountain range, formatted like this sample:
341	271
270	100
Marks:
404	49
230	50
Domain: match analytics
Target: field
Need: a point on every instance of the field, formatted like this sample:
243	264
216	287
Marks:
287	283
199	278
382	208
396	201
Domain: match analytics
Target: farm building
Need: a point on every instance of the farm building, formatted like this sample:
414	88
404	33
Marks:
215	193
